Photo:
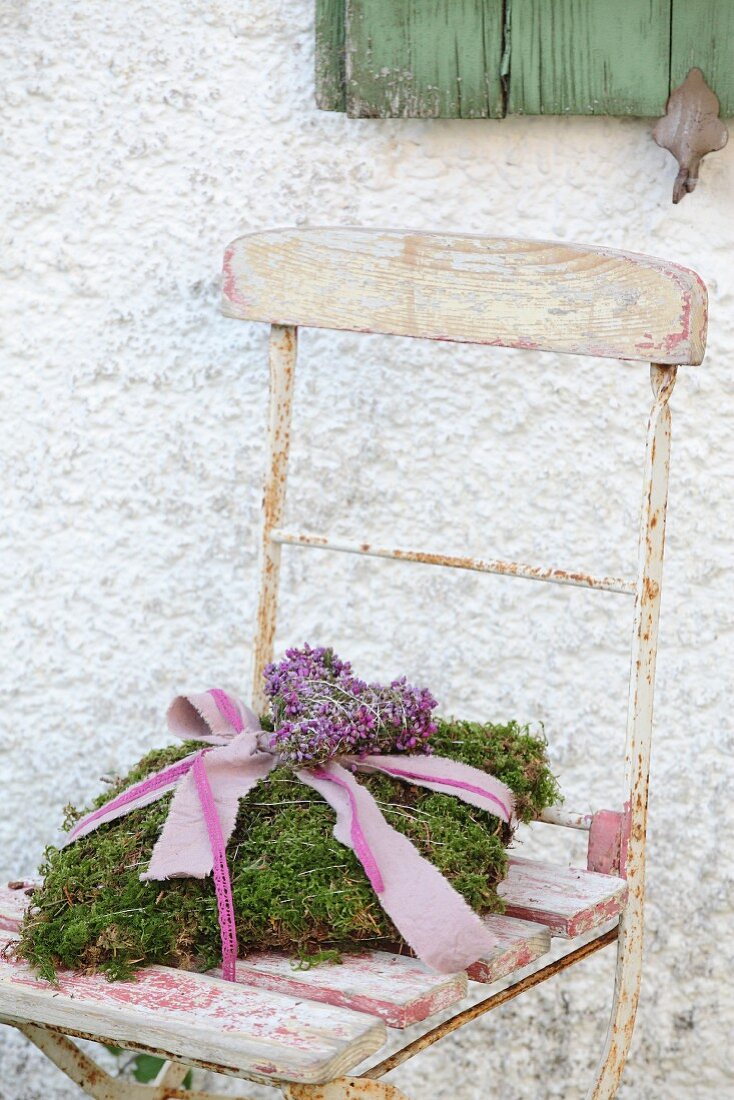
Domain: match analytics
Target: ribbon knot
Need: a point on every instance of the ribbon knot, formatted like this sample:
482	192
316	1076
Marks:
430	915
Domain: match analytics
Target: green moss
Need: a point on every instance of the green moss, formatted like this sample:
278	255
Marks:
294	885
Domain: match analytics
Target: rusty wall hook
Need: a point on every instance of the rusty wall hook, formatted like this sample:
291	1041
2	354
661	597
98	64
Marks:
690	128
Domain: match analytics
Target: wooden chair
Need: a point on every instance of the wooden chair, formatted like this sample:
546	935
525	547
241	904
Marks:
302	1030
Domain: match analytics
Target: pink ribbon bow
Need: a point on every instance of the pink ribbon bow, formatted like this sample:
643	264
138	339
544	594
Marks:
427	911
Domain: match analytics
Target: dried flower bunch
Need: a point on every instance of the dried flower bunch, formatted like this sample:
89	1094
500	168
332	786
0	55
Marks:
320	709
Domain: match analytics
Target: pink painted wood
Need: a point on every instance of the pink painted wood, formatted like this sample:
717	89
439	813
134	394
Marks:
397	988
569	900
605	842
13	904
520	943
541	898
232	1028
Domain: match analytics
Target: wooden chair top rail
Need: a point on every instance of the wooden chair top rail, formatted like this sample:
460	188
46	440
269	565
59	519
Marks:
543	295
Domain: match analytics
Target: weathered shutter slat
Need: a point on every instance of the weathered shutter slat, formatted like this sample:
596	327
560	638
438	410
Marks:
424	58
455	59
329	58
703	36
595	57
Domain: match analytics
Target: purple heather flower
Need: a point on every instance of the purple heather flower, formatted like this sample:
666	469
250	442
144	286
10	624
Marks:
321	709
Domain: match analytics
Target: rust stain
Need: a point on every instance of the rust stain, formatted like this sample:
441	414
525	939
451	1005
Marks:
652	588
452	561
94	1074
345	1088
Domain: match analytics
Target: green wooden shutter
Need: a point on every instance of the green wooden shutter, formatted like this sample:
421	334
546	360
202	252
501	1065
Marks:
424	59
703	35
589	57
486	58
330	43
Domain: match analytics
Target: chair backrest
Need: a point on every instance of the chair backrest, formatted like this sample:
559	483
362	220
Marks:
513	293
549	297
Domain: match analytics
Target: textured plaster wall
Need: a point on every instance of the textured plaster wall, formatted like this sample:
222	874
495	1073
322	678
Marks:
137	140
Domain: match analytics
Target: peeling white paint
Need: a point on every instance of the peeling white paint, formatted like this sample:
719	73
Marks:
137	141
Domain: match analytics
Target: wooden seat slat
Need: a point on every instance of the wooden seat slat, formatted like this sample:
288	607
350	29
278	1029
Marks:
519	943
228	1027
397	988
568	900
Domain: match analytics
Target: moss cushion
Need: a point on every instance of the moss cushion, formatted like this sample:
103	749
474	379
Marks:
294	885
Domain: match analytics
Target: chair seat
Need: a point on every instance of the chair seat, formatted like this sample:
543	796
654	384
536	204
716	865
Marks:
231	1028
278	1023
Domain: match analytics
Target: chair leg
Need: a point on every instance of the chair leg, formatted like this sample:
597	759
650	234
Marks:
171	1075
624	1005
98	1084
72	1061
639	733
344	1088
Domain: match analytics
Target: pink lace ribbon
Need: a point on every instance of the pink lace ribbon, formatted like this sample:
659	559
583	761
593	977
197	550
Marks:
427	911
222	882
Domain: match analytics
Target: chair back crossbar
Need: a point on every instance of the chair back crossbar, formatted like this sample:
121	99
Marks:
509	293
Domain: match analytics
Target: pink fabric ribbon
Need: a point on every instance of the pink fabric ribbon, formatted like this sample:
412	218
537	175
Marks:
430	915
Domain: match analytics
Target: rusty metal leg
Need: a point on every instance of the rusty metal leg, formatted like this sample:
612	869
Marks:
97	1083
344	1088
639	731
171	1075
74	1063
283	350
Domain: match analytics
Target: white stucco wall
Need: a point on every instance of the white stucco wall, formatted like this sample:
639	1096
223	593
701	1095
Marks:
137	140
